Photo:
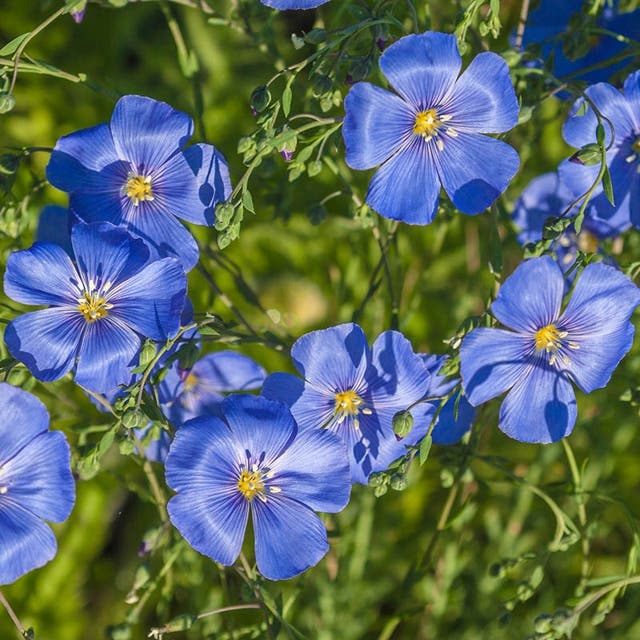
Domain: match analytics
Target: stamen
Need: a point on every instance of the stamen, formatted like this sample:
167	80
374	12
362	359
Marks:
138	188
93	305
250	484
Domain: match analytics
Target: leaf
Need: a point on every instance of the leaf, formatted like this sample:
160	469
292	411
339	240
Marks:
425	447
247	201
287	94
607	186
11	47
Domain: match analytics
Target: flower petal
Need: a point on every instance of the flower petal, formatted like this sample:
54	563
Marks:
151	301
422	68
43	274
406	187
314	470
227	371
147	132
284	5
454	420
541	407
377	123
289	537
483	99
531	296
492	361
26	542
46	341
54	225
597	322
475	169
39	478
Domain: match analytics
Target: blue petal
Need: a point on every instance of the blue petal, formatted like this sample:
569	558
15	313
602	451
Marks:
531	296
541	407
632	92
597	321
26	542
377	123
214	182
334	359
314	470
152	300
406	187
147	132
43	274
492	361
54	225
39	478
106	355
22	418
289	537
475	169
103	207
46	341
438	385
454	420
422	68
106	253
83	160
293	4
402	377
483	99
226	371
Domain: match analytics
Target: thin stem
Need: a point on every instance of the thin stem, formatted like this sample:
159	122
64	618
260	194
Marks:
12	615
522	21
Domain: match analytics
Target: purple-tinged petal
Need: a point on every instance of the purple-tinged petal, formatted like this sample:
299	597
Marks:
152	300
42	274
541	407
531	297
422	68
597	324
26	542
106	355
38	477
314	470
46	341
227	371
214	181
483	99
289	537
406	187
147	132
474	169
376	125
286	5
492	361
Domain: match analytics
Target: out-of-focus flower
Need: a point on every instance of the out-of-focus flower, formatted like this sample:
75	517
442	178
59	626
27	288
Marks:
254	459
285	5
429	133
546	349
35	483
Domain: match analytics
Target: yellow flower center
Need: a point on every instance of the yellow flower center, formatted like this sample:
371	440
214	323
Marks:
426	123
549	338
93	306
348	403
250	483
190	382
587	242
138	188
636	145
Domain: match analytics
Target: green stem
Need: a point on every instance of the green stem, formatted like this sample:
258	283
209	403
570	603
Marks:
12	615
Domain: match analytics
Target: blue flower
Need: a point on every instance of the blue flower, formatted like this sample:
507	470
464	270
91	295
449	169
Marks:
98	307
254	459
623	156
548	349
285	5
546	197
455	417
549	22
429	133
35	483
135	172
354	391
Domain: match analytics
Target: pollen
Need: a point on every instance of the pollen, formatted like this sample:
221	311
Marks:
93	306
250	484
348	403
426	123
191	381
138	188
549	338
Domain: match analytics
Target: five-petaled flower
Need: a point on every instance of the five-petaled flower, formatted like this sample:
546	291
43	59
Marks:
254	459
35	483
355	390
547	348
622	111
98	308
135	172
430	132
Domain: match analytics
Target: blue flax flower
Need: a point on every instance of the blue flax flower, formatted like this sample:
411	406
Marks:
135	172
354	390
429	133
98	307
285	5
35	483
546	197
548	349
254	459
623	156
